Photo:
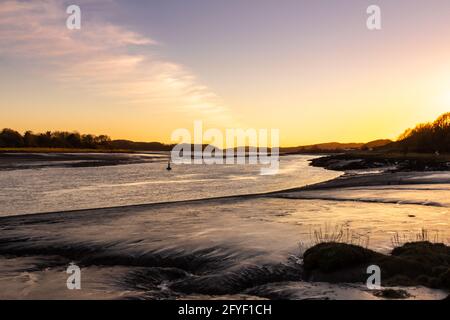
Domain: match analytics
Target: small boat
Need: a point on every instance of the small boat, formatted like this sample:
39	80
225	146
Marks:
168	166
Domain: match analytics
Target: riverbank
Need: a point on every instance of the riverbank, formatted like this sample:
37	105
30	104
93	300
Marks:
393	162
62	150
34	159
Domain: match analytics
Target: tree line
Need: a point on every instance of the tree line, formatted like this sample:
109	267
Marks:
57	139
424	138
10	138
432	137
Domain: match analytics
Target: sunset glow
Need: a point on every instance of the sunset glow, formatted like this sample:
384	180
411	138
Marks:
140	72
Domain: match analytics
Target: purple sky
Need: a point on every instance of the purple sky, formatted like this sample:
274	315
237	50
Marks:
146	68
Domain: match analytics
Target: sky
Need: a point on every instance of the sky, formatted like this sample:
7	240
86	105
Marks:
141	69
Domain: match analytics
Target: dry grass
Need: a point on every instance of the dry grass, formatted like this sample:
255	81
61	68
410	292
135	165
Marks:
398	240
327	234
339	234
343	234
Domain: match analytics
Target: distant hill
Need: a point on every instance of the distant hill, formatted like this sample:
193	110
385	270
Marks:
335	147
433	137
139	146
376	144
323	147
73	140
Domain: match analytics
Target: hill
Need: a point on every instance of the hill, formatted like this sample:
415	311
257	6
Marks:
335	147
431	137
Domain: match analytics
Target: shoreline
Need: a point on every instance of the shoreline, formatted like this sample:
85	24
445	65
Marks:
392	162
32	160
343	181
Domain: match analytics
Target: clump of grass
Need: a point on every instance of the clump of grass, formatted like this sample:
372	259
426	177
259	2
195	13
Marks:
397	241
424	235
338	234
330	234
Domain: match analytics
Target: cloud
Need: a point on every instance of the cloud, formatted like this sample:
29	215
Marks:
103	58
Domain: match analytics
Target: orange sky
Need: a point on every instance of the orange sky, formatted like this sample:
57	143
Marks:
311	70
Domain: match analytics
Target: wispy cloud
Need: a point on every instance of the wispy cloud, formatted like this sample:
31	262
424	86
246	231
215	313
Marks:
102	57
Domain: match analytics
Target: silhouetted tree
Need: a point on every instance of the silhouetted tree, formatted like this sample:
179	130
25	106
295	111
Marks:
427	137
11	138
30	139
56	139
74	140
44	139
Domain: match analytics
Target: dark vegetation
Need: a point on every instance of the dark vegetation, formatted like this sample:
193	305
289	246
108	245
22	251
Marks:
426	138
415	263
424	148
429	138
73	140
394	161
433	137
57	139
392	294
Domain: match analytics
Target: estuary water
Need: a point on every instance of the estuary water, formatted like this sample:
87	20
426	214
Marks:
214	248
51	189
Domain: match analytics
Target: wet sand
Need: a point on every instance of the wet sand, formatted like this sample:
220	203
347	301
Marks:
20	161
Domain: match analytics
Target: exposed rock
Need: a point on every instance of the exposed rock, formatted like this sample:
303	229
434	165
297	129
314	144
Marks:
329	257
392	294
358	161
418	263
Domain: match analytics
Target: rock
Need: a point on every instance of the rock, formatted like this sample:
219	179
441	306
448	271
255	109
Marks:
392	294
444	279
328	257
417	263
427	253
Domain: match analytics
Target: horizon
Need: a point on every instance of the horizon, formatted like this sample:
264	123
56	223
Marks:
174	143
138	71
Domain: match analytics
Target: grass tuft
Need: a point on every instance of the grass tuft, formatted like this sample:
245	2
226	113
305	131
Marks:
338	234
424	235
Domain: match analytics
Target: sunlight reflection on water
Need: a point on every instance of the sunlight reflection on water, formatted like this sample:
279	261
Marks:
61	189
